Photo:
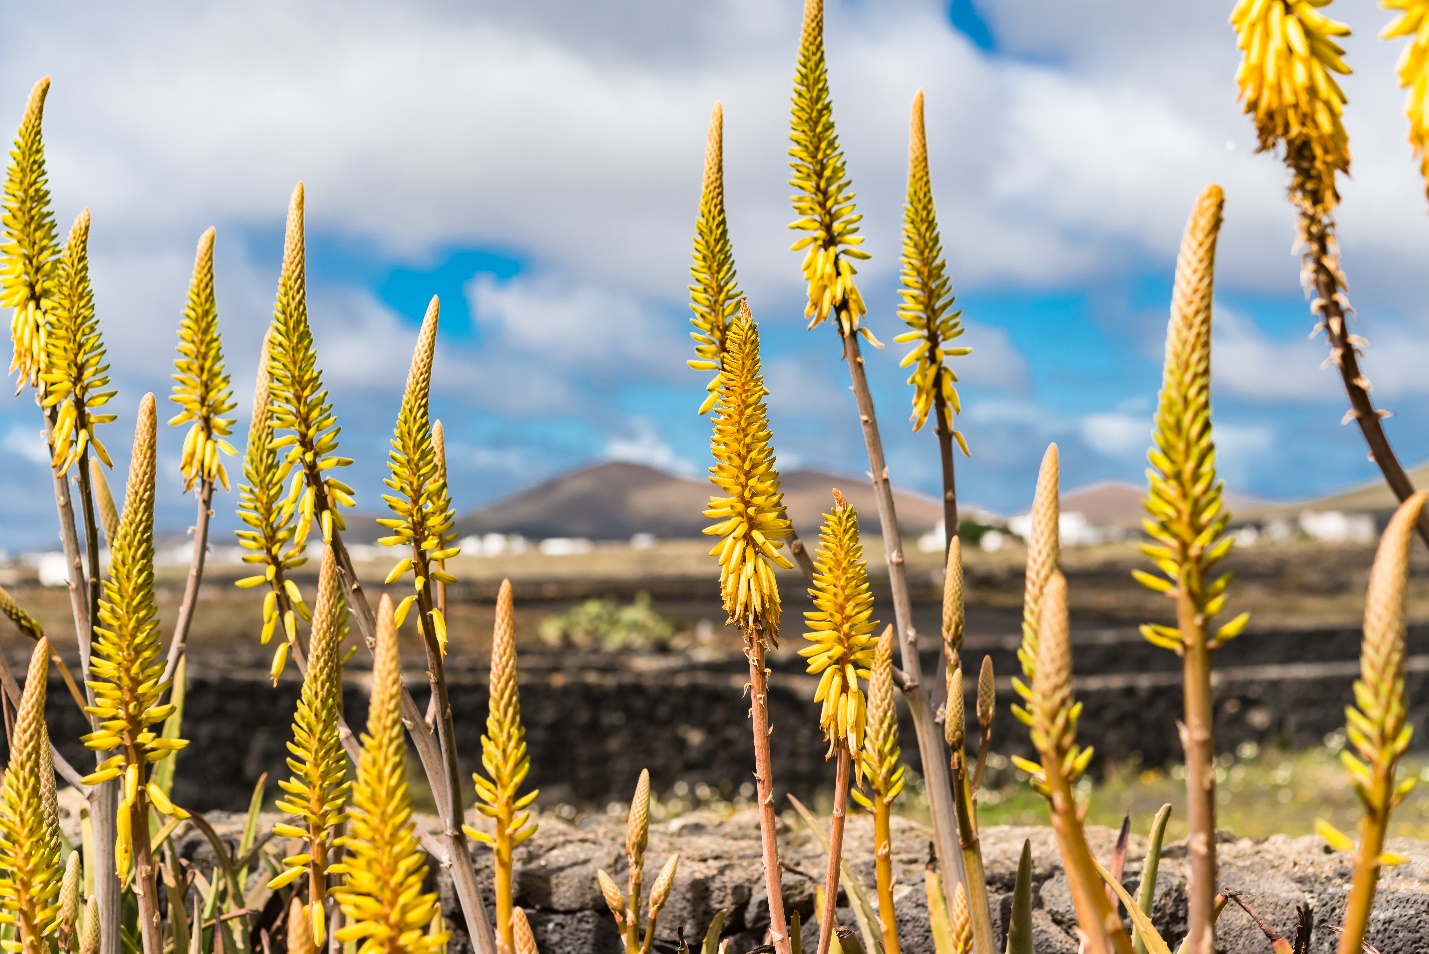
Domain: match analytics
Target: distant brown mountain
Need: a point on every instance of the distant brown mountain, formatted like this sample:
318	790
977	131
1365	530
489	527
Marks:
615	500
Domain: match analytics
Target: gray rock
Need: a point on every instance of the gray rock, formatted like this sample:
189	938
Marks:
720	869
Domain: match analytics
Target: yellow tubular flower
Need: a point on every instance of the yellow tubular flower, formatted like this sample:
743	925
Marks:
1379	729
317	791
1413	72
714	296
927	295
270	531
752	523
1287	83
840	627
504	756
128	659
1043	554
300	934
1187	519
422	506
384	869
75	374
201	384
29	836
824	203
299	401
30	248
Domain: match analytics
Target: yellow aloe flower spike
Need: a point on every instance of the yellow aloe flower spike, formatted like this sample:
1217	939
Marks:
128	659
750	512
1054	714
824	202
883	768
270	530
89	933
1413	72
927	293
29	834
29	252
201	386
714	296
298	399
24	622
71	904
1043	554
524	940
1187	517
317	791
75	374
1287	84
104	499
841	640
1379	729
504	756
300	933
421	504
384	867
1187	522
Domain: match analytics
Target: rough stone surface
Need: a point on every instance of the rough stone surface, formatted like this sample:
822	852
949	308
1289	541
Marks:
720	870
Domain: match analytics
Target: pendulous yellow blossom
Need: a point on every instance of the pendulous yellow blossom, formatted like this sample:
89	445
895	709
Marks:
1287	84
714	296
384	867
29	253
752	522
824	201
317	791
201	385
299	401
841	625
1413	72
927	293
127	664
29	834
1187	518
421	504
270	530
75	374
507	763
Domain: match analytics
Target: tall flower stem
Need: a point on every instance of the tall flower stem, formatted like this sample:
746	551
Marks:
950	484
1324	278
146	883
836	847
1198	740
104	796
463	873
931	751
764	791
194	581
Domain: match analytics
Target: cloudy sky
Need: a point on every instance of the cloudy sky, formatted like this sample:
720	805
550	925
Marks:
537	165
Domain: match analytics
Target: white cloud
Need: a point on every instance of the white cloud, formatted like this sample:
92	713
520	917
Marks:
1117	434
645	445
27	443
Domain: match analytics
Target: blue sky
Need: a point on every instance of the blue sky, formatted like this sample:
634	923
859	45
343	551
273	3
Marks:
537	166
